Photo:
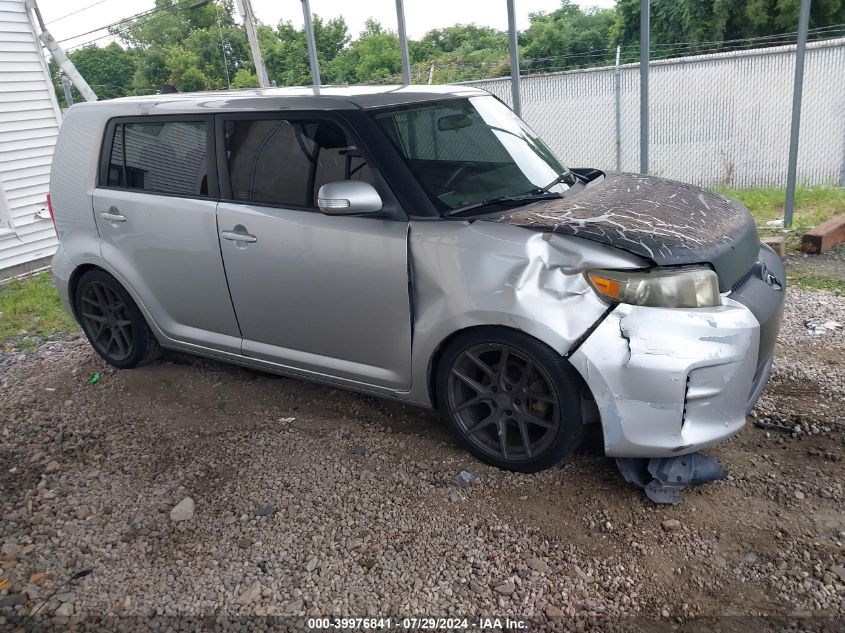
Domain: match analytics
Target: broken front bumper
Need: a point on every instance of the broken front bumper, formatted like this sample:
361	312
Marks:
673	381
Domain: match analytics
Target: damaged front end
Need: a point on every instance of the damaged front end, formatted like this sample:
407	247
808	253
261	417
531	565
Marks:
687	348
670	381
663	478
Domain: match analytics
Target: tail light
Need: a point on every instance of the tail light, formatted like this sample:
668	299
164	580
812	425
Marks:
50	211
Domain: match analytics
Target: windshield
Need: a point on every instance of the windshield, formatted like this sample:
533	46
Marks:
467	151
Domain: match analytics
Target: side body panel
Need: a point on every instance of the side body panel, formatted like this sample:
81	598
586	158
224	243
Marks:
323	294
73	176
168	252
467	274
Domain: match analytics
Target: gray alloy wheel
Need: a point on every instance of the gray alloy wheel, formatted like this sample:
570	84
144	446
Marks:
105	315
511	401
503	402
112	322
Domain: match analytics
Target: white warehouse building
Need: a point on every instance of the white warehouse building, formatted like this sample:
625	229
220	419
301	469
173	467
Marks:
29	123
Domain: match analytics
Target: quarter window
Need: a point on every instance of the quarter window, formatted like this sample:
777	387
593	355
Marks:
167	157
285	162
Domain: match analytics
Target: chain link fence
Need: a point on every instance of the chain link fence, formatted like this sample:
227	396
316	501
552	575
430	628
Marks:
719	119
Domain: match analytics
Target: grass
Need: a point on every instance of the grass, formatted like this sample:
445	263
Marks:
30	308
813	205
811	281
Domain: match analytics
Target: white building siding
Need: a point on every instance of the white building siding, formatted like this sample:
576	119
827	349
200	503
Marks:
29	124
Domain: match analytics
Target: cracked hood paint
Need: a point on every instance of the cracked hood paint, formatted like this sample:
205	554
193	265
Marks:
670	223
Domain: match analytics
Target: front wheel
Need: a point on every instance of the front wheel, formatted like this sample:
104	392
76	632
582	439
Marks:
510	400
112	322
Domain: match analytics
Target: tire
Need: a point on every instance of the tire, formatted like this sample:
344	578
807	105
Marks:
534	397
112	322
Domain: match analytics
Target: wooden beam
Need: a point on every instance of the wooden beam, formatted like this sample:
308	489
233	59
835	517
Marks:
777	244
825	236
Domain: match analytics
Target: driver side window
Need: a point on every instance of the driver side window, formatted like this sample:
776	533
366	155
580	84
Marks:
284	162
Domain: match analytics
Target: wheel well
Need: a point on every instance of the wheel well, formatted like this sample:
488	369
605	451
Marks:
589	408
73	282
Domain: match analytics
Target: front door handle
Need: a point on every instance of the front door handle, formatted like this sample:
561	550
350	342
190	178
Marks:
113	215
238	234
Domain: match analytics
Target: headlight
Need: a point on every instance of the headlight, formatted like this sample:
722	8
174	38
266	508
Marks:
661	287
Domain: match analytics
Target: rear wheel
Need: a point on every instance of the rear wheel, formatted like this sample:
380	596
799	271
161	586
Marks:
510	400
112	322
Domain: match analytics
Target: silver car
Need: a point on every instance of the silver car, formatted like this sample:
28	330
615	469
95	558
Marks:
421	244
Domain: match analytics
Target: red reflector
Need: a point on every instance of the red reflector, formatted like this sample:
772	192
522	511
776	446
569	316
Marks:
50	211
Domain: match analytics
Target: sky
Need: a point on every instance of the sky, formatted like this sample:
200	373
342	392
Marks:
420	15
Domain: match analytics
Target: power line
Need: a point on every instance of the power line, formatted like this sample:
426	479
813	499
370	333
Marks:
166	10
85	8
108	26
120	29
223	47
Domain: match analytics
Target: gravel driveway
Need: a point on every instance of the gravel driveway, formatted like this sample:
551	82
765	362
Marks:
310	501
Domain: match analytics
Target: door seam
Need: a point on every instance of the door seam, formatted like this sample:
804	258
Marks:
226	275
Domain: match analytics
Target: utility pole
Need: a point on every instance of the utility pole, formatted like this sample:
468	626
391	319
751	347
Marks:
58	54
795	127
513	45
66	89
245	9
403	42
645	36
617	75
312	44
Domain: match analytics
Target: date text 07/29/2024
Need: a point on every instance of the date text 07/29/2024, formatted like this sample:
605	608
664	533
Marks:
419	623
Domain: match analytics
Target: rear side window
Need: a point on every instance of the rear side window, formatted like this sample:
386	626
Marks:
167	157
285	162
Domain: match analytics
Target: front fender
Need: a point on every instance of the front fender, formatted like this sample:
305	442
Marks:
467	274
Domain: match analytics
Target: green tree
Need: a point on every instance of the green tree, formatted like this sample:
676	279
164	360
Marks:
459	52
460	37
567	38
191	46
374	56
285	50
245	78
108	70
677	26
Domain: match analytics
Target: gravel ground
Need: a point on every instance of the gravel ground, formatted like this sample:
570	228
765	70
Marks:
308	501
829	264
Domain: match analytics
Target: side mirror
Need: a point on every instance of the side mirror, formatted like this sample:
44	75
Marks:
348	197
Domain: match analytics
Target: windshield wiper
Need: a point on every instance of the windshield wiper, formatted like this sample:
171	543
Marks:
525	197
558	180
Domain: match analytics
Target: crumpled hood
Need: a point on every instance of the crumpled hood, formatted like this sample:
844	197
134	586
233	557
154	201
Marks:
670	223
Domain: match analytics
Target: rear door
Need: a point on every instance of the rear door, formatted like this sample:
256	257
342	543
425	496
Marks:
155	209
326	295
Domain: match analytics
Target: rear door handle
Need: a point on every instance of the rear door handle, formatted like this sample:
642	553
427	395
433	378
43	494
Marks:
113	215
237	236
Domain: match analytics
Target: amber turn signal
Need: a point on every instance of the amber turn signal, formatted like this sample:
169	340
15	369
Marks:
606	287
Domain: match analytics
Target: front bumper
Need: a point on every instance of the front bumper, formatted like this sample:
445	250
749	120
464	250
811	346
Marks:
674	381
